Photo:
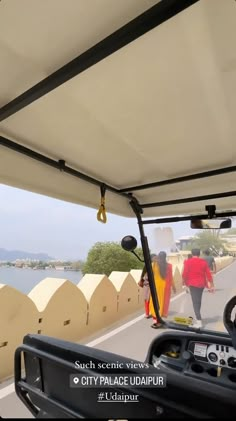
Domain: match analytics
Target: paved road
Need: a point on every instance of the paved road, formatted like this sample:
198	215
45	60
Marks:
132	338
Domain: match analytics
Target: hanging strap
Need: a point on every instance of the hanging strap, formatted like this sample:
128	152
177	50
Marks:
101	215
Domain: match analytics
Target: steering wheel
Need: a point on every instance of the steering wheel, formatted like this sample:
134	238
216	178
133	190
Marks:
228	323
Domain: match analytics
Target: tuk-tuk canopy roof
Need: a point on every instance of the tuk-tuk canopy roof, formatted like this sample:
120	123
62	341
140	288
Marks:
147	104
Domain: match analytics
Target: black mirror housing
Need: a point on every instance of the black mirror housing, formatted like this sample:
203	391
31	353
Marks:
129	243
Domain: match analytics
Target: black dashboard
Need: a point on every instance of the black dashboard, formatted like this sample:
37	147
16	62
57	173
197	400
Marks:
207	358
198	383
199	369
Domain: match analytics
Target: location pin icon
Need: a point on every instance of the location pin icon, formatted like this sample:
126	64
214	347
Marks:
75	380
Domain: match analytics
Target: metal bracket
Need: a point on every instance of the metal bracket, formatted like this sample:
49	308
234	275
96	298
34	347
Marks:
211	210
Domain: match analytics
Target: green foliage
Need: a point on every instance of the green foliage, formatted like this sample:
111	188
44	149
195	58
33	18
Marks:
32	264
42	265
76	265
66	263
104	258
207	239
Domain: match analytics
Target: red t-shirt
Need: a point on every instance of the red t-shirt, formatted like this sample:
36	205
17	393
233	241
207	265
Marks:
196	272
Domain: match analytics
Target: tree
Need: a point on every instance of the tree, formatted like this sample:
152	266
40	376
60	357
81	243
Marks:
206	239
104	258
77	265
9	264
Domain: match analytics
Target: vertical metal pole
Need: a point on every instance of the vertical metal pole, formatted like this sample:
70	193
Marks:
147	258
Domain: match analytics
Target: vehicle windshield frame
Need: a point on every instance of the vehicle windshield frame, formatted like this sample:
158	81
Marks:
137	208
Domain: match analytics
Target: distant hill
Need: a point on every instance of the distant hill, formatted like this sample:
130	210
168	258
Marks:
12	255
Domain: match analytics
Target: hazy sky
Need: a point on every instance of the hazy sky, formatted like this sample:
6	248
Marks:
35	223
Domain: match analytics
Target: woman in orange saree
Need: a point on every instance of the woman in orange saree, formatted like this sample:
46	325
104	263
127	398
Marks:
163	278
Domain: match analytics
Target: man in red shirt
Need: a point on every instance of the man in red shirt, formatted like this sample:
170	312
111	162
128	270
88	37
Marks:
197	276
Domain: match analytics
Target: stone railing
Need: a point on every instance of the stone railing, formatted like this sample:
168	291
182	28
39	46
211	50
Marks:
59	308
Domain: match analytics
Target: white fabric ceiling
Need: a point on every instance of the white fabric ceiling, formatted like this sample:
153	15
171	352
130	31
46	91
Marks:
161	107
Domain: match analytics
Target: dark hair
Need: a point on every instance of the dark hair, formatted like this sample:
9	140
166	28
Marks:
207	252
152	256
144	271
196	252
162	264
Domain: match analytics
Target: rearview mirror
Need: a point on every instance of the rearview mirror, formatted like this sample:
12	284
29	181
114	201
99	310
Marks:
129	243
211	224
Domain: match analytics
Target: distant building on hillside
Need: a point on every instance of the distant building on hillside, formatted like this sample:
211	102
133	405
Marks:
59	267
183	242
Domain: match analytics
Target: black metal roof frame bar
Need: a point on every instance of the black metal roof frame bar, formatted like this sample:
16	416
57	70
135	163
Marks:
188	200
185	178
59	165
186	218
139	26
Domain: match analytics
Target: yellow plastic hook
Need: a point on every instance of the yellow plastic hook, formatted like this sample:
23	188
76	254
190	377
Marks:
101	215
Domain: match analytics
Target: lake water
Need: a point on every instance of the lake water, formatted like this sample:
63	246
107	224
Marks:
25	279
